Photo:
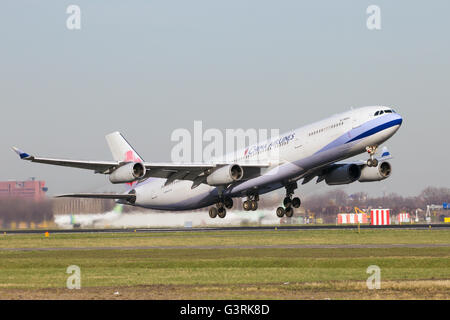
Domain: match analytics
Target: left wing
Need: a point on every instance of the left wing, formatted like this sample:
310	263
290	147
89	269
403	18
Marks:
97	166
172	171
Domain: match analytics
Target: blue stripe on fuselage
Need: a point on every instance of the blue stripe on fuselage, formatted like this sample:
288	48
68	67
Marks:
367	129
377	129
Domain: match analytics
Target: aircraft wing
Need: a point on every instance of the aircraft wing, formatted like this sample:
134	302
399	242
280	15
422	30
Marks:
322	171
191	171
171	171
97	166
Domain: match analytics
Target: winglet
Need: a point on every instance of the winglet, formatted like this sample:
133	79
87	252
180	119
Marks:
22	155
385	152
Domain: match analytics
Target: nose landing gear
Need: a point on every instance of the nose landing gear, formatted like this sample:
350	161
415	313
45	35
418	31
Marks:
372	162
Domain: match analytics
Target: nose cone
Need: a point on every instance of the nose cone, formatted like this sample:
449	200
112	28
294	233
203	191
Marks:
395	121
398	119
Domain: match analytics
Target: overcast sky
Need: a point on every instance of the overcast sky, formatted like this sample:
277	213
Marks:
146	68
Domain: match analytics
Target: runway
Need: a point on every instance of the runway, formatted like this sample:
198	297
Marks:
292	246
237	228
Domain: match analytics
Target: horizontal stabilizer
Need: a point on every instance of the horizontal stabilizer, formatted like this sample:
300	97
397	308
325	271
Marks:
127	197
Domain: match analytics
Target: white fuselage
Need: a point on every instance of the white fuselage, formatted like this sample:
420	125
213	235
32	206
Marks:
291	156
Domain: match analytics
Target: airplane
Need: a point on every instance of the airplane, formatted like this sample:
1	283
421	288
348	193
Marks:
89	220
314	150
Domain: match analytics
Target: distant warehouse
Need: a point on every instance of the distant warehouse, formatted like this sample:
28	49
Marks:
30	189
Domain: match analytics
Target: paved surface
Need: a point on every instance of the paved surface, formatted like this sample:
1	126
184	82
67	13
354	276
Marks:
255	228
292	246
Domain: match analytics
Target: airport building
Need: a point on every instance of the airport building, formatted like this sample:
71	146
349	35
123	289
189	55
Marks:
30	189
80	206
23	204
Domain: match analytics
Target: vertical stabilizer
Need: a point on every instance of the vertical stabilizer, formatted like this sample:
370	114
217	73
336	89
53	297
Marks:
120	148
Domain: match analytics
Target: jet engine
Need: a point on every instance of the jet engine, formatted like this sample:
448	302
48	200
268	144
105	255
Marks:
343	175
225	175
378	173
128	173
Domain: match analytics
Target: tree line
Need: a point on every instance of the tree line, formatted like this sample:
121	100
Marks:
326	205
329	204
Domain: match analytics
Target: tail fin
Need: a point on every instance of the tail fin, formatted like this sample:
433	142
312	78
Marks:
118	208
120	148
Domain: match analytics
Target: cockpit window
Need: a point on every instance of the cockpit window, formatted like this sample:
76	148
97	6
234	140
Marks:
380	112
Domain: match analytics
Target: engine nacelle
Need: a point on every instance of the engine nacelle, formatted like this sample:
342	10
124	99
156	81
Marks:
225	175
343	175
128	173
378	173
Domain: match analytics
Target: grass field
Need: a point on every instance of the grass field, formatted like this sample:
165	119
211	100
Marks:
217	265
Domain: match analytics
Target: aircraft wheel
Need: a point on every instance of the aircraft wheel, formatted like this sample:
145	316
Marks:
213	212
228	202
296	202
289	212
246	205
280	212
253	205
374	162
222	212
287	202
219	205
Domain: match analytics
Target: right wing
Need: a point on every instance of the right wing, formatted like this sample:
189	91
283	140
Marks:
322	171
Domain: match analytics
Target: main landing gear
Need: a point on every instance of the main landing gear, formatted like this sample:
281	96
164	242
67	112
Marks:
251	203
221	208
289	202
372	162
